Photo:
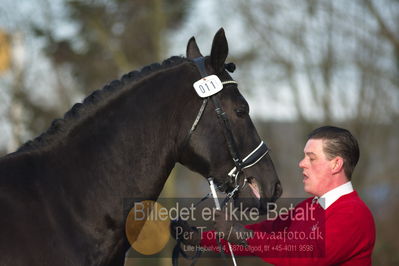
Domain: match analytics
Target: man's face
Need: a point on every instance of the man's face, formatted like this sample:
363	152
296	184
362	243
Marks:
317	170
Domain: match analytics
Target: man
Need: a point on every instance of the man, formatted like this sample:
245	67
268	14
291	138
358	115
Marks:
340	229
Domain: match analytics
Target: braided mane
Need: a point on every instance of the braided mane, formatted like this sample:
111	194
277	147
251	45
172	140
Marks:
59	127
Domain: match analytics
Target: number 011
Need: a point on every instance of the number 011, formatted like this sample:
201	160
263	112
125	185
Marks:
208	86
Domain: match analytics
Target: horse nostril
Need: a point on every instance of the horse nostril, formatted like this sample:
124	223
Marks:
278	190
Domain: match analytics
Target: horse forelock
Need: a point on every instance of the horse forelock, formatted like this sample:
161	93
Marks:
59	127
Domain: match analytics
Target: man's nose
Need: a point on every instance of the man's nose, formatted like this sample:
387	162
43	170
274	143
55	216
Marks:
302	163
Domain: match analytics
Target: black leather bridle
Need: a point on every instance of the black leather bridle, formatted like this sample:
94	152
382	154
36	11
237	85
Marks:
232	185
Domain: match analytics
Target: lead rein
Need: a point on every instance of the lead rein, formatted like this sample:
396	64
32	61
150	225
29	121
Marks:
217	205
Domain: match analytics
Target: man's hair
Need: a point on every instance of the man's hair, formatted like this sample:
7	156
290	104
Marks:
338	142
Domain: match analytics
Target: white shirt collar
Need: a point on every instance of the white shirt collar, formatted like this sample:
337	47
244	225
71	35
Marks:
331	196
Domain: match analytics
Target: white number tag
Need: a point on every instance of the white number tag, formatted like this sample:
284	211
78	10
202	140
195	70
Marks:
208	86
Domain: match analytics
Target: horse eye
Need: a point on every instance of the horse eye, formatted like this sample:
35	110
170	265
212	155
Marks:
241	112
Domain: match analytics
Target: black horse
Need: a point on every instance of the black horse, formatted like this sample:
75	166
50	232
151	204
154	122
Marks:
61	195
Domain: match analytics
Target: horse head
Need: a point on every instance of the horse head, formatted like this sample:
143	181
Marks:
223	142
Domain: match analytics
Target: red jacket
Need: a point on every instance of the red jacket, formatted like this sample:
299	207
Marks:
343	234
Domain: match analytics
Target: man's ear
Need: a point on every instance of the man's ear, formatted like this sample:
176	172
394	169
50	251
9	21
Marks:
337	164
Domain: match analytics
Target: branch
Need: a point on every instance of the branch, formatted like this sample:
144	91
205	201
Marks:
386	32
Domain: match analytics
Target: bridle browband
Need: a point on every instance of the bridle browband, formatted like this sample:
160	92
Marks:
231	185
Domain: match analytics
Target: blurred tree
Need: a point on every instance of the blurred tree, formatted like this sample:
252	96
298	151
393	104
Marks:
334	62
70	48
113	37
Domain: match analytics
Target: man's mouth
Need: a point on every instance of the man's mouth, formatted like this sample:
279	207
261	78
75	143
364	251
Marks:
305	177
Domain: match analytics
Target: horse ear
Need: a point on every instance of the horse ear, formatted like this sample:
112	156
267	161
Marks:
219	51
192	49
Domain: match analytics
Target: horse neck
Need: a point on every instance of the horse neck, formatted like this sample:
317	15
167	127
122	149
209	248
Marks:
123	150
129	146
